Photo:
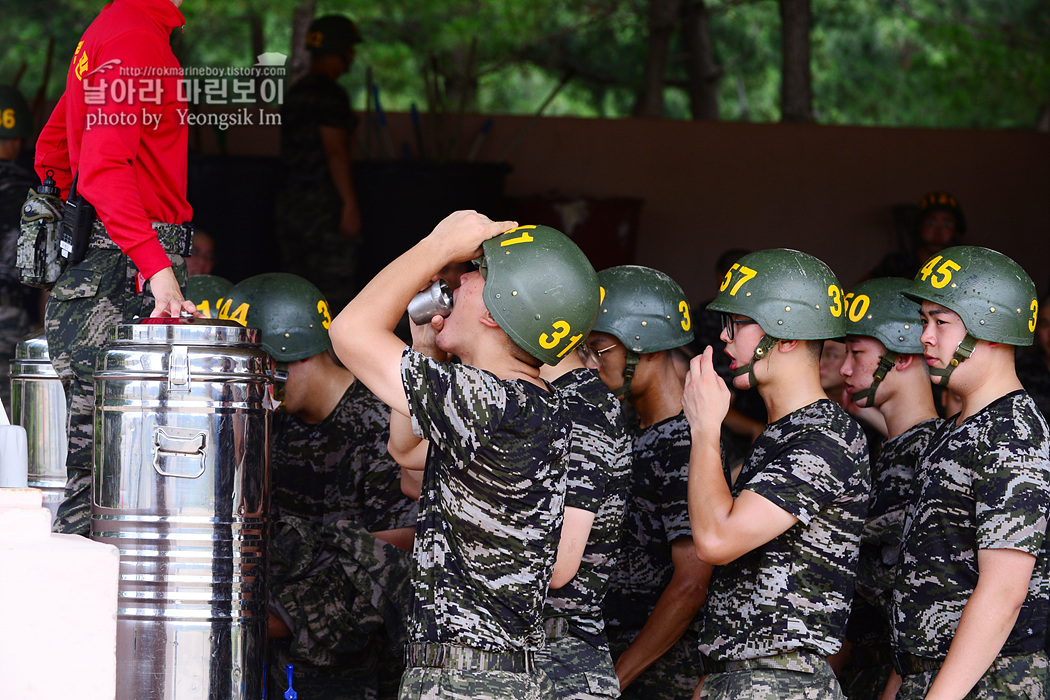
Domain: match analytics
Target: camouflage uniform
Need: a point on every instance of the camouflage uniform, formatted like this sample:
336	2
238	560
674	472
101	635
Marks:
309	209
88	298
342	592
657	515
576	657
490	512
775	613
15	298
871	660
984	484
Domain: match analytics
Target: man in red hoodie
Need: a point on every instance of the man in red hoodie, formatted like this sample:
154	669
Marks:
119	132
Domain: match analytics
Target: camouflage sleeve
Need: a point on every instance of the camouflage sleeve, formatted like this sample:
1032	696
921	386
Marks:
674	506
805	476
1012	498
455	406
588	469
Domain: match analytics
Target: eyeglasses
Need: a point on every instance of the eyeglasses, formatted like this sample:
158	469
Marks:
729	324
592	357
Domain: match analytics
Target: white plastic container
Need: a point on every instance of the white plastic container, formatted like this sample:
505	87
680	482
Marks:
58	601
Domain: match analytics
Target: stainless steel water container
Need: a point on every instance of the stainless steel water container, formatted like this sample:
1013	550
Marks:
38	404
181	487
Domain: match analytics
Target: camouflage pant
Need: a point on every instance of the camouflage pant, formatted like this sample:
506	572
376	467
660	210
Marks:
771	684
578	670
450	684
1009	677
345	593
674	676
14	325
307	228
87	299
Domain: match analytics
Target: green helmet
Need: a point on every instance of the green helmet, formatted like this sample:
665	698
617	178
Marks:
207	292
332	34
792	295
993	295
644	309
290	311
541	290
877	309
16	120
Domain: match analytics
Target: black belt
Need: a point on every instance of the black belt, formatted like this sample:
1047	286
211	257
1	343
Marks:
801	661
450	656
910	664
176	239
866	656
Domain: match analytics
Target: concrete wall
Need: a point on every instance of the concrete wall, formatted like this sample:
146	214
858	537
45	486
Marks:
710	186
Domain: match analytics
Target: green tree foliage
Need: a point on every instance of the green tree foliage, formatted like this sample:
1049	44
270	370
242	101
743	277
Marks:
934	63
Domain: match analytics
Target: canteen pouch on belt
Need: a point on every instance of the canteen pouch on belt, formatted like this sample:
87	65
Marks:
37	252
75	227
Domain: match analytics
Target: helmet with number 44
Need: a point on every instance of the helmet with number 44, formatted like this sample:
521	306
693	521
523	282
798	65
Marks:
541	290
289	310
792	295
993	295
207	292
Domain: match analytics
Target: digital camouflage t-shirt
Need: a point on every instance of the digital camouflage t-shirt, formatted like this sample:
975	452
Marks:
599	467
794	592
880	543
657	514
984	484
339	468
491	506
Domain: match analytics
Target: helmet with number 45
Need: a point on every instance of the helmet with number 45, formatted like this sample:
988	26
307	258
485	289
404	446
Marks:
541	290
289	310
993	295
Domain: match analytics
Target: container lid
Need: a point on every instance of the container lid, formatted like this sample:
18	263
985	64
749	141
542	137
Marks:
33	348
184	331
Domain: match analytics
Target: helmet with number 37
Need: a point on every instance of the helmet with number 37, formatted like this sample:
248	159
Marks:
290	311
792	295
541	290
993	295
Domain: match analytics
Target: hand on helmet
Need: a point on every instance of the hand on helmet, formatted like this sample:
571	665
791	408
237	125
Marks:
462	233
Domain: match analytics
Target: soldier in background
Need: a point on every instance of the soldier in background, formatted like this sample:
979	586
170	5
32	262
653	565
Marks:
659	584
494	480
318	221
341	526
884	368
972	593
17	302
785	536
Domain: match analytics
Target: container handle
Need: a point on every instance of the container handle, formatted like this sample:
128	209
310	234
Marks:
179	442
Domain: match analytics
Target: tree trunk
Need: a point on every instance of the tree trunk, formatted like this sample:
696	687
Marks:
796	88
300	60
662	17
700	65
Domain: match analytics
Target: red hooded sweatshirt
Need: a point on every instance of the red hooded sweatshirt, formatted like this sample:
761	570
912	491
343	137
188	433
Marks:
122	123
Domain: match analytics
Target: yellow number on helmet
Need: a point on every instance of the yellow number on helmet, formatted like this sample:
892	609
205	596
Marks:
322	308
835	293
859	307
945	272
561	329
686	322
1035	315
928	267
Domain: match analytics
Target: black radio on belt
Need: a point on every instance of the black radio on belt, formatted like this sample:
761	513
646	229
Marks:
74	231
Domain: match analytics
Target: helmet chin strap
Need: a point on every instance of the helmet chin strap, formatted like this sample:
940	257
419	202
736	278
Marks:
628	375
964	350
764	346
886	363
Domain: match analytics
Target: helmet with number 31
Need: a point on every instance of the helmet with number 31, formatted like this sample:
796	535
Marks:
993	295
289	310
541	290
